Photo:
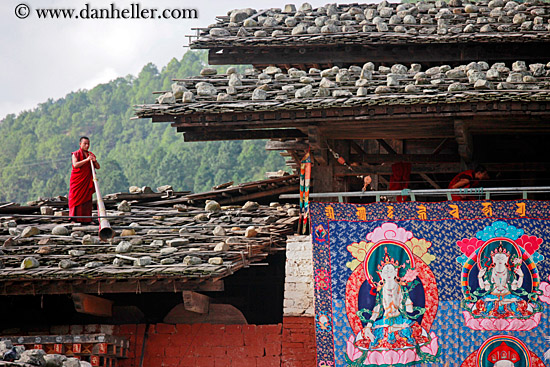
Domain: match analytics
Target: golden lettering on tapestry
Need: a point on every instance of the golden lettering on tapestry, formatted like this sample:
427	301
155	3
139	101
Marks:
521	209
329	211
422	212
487	209
390	211
454	211
362	213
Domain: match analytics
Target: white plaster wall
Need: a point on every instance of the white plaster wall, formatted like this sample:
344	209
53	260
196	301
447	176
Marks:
299	295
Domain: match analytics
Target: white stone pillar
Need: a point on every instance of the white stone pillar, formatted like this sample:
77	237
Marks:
299	295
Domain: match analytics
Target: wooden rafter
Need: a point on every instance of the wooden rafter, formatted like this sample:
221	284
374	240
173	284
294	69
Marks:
357	148
386	146
107	286
241	135
286	145
440	147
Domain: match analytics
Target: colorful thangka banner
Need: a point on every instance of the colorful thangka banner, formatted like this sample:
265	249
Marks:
432	284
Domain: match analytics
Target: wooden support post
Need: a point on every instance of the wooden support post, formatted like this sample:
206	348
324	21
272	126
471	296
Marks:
92	305
196	302
465	142
318	148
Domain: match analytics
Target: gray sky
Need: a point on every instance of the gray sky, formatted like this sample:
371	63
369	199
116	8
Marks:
48	58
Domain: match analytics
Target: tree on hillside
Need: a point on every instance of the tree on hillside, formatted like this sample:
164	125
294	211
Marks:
36	144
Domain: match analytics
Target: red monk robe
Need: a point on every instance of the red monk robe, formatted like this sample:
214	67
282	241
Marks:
468	179
81	188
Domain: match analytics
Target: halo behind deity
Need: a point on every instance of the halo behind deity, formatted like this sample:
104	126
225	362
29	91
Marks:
398	253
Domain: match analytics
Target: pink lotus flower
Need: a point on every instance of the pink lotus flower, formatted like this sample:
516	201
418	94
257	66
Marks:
502	324
392	357
410	275
352	352
545	288
401	356
432	347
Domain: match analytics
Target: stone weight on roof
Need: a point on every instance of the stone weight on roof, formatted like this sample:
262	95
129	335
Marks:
421	22
164	240
364	85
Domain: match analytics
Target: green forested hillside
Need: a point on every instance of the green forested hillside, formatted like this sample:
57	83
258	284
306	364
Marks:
35	145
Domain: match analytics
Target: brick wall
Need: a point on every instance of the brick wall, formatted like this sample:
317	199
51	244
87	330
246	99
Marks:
291	344
298	342
204	345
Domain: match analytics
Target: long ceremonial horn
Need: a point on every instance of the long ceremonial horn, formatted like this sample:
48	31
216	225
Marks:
105	230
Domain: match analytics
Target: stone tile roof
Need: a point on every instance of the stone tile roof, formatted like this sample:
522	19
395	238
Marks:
383	23
272	89
155	240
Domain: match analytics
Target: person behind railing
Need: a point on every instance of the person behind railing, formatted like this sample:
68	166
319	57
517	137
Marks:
468	179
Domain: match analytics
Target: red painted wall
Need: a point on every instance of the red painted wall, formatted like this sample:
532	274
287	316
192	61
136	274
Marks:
291	344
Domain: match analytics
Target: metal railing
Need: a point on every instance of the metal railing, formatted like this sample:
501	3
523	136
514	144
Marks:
478	191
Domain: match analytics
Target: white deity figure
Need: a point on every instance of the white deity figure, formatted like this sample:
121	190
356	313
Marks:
389	323
500	280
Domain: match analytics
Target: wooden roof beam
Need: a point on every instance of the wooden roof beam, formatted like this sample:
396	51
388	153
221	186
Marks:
387	170
443	168
286	145
426	54
92	305
57	286
413	158
241	134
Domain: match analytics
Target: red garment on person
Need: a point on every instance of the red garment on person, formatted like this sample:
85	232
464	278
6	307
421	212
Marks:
81	189
470	176
399	180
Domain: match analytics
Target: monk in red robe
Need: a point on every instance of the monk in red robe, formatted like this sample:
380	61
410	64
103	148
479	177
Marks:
468	179
82	185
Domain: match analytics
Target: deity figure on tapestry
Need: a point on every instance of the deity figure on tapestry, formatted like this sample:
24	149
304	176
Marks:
503	351
391	300
500	280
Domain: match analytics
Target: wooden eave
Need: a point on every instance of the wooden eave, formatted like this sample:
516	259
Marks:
428	54
375	122
108	285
